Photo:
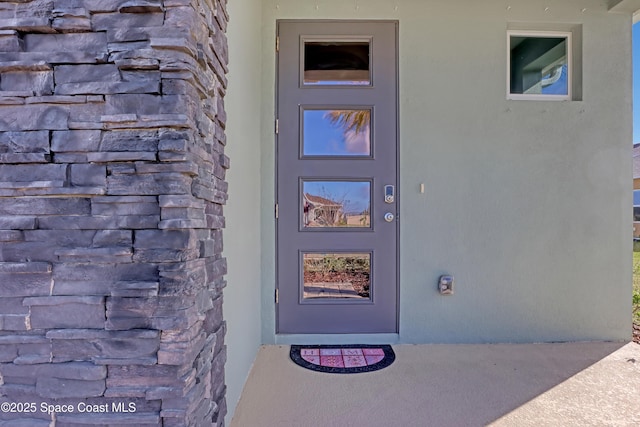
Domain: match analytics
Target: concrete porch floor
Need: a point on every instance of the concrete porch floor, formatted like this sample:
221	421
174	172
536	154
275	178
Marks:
567	384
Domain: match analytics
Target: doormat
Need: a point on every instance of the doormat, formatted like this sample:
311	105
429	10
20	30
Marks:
343	359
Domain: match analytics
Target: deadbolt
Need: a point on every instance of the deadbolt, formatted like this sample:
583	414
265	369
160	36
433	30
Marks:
388	217
389	194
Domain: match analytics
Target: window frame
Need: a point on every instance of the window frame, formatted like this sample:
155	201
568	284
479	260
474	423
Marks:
315	38
570	69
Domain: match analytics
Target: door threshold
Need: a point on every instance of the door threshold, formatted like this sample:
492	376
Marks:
337	339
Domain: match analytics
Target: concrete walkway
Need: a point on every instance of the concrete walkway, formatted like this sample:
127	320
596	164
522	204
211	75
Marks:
572	384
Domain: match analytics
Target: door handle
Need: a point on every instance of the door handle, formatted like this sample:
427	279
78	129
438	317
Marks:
389	217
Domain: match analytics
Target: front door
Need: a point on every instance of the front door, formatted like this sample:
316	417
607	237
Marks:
337	185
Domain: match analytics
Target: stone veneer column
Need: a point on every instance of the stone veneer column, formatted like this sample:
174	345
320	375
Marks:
112	181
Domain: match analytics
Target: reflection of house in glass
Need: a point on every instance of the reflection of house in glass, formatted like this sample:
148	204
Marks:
321	212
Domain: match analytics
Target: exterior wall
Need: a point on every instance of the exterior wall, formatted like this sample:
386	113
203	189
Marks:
242	248
112	182
527	203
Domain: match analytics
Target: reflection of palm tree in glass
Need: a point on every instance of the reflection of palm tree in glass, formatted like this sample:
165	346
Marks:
350	120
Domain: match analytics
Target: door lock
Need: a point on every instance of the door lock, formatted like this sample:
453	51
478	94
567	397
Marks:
389	194
389	217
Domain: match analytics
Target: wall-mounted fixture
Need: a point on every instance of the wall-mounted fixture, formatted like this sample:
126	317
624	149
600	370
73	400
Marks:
445	285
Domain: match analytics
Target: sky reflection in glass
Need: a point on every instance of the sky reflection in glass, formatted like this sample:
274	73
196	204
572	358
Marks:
560	86
354	196
323	137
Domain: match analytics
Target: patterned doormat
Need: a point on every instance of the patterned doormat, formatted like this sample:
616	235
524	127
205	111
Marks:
343	359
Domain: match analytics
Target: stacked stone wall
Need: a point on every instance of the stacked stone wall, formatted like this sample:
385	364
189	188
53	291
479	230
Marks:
112	183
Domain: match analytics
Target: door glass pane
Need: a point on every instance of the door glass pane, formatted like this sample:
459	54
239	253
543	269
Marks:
330	204
336	63
336	133
336	275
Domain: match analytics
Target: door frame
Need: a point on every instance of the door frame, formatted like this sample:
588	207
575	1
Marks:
398	191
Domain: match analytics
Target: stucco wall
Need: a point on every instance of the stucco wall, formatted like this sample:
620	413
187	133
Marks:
527	203
242	245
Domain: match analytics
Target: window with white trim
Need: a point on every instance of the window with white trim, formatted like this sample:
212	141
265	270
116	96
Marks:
539	65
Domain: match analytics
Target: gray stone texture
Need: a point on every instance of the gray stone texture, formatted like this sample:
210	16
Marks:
40	82
9	41
24	142
112	186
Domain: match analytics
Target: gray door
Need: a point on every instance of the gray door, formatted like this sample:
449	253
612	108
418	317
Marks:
337	189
